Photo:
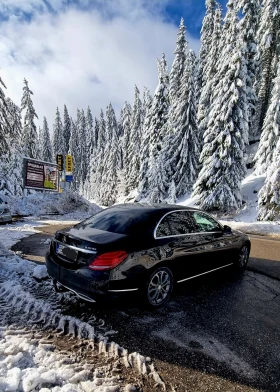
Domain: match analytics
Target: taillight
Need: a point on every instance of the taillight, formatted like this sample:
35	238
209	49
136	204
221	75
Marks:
107	261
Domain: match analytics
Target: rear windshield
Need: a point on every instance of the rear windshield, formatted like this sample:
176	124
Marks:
122	222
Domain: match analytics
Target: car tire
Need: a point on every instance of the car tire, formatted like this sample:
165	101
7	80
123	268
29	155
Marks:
243	257
159	287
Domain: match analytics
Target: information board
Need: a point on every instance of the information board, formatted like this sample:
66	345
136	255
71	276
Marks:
40	175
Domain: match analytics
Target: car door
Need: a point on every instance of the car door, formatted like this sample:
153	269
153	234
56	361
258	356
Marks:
215	247
175	233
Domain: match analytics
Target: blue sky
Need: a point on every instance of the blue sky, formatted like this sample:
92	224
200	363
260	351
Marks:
192	11
89	52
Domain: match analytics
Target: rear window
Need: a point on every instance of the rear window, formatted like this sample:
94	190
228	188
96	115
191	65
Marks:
122	222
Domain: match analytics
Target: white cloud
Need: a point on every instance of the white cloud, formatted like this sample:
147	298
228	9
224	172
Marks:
81	58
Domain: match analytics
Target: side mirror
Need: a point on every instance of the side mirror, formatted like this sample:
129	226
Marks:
227	229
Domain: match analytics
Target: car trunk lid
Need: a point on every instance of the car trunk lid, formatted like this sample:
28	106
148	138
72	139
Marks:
74	248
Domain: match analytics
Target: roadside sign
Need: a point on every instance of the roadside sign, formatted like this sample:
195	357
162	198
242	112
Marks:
40	175
69	177
59	161
69	163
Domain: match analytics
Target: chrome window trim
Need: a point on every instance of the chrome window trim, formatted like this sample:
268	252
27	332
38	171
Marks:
75	248
204	273
117	291
183	235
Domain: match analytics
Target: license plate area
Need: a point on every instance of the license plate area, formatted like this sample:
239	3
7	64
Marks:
66	252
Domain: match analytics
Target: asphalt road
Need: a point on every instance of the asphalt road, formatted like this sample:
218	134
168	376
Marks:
220	332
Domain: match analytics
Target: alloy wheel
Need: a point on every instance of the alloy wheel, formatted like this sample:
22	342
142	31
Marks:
243	257
159	287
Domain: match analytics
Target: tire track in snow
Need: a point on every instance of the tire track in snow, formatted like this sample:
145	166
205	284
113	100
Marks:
18	305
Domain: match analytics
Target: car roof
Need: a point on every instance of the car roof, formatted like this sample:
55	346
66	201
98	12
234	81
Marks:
156	208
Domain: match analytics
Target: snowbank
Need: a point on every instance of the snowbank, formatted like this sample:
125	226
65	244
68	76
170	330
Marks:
12	233
28	362
40	203
246	218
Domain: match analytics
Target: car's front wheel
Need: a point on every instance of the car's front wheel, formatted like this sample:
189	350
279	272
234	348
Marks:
159	287
243	257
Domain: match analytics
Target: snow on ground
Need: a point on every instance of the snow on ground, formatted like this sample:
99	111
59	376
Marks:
39	203
71	208
10	234
28	362
246	218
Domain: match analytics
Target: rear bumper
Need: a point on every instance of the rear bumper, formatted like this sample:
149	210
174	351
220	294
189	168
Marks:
59	288
85	283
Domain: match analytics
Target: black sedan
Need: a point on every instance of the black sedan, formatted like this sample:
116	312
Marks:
144	248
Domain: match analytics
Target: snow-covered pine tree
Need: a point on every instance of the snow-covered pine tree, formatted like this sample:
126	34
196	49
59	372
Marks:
93	158
206	38
30	136
112	158
181	151
269	195
179	64
13	118
268	37
4	147
248	27
90	136
133	151
97	160
147	103
95	134
66	129
223	167
120	124
73	150
73	137
82	141
101	142
58	141
157	191
11	175
171	195
40	142
157	131
120	136
145	147
207	71
46	146
126	142
271	130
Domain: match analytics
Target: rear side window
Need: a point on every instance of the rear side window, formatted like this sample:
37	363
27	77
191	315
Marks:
127	221
176	223
205	223
163	229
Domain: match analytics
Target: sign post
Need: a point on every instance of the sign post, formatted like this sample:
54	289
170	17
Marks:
69	169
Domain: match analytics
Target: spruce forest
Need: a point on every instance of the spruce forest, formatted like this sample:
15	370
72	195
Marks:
192	136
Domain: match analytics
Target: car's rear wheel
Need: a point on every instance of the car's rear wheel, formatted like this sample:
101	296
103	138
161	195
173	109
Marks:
243	257
159	287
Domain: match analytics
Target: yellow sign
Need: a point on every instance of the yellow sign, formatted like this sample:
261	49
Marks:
59	161
69	163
